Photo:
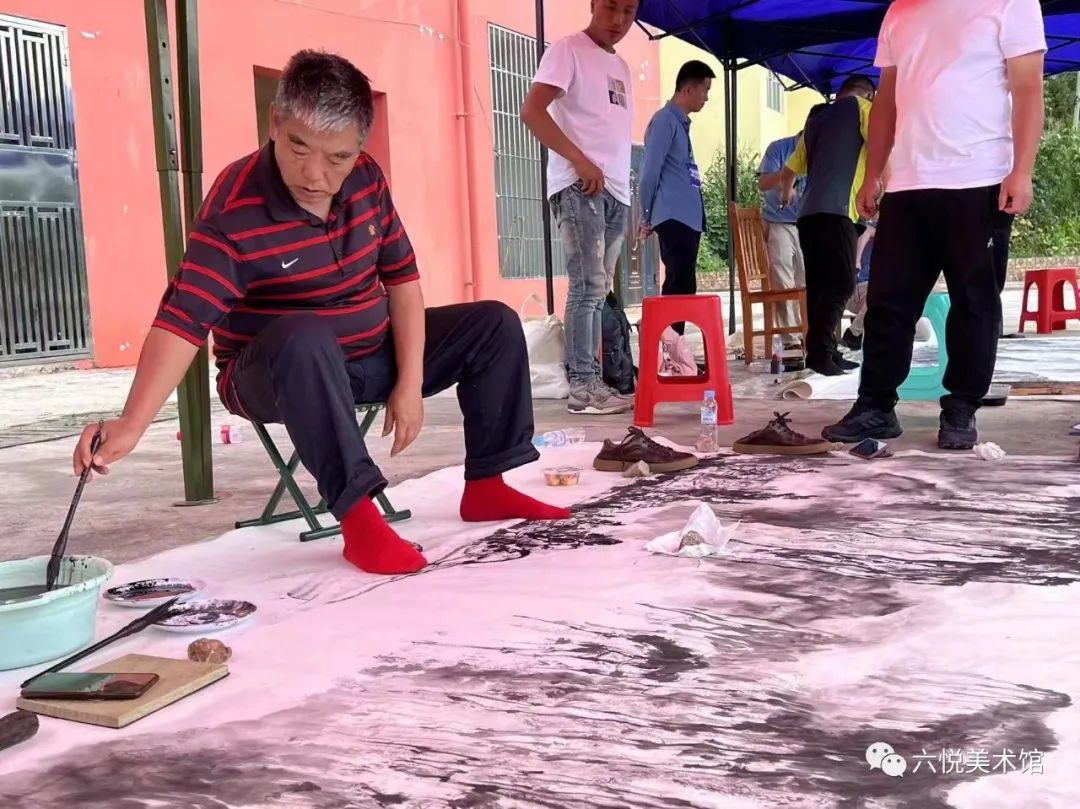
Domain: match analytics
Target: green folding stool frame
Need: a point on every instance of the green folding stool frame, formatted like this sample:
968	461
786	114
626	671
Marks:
287	483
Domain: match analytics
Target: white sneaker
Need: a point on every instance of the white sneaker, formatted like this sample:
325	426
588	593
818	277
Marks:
626	397
596	399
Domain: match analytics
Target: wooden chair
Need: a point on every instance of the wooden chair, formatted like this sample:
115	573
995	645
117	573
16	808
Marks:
752	263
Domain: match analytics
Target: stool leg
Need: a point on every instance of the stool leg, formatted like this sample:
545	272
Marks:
1046	306
1024	308
717	371
648	373
1058	298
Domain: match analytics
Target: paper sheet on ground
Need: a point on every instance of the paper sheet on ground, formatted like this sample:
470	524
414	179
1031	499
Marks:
923	601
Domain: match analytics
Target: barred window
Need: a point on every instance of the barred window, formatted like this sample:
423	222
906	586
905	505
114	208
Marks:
774	92
518	201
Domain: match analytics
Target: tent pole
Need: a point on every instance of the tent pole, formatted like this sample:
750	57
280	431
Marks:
545	205
191	167
731	124
193	394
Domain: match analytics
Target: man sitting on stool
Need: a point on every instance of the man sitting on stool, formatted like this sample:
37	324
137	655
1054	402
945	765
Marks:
299	265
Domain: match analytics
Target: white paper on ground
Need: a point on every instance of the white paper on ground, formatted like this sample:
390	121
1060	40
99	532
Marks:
989	452
703	522
823	387
1033	359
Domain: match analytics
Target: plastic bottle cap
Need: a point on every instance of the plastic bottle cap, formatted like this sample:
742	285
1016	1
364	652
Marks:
710	394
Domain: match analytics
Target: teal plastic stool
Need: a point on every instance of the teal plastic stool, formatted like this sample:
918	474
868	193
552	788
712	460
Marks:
926	383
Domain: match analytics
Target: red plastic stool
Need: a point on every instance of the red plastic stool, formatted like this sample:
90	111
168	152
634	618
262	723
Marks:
657	314
1052	313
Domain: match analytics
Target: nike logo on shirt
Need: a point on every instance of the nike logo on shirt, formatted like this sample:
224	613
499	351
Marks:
285	265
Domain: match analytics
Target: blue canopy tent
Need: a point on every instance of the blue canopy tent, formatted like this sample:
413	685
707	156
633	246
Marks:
812	43
824	67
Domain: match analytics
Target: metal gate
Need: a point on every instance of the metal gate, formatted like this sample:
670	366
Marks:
43	301
519	206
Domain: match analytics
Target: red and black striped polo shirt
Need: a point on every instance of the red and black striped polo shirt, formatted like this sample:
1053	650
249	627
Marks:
255	255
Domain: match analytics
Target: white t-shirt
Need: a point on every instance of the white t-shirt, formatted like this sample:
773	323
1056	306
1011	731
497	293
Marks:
953	106
595	110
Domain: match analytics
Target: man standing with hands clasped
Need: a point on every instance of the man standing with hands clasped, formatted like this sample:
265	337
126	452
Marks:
959	169
580	107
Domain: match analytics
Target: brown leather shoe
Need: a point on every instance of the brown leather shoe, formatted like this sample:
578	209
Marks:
639	447
779	439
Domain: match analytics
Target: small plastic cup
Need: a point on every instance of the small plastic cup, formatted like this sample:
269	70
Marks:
562	476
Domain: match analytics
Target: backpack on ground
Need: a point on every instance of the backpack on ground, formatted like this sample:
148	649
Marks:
618	360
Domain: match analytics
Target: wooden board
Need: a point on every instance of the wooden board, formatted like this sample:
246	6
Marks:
178	679
1045	388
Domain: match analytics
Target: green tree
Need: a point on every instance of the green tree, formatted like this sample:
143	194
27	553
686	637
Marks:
1060	94
1052	226
712	258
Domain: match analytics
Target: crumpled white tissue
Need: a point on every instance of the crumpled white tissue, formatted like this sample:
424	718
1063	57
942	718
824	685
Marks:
989	452
703	522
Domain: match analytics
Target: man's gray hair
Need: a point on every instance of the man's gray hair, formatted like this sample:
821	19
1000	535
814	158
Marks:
325	91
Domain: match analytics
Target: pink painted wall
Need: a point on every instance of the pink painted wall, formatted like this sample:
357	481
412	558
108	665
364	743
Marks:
411	52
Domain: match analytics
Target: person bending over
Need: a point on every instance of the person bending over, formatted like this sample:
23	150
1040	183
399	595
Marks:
301	268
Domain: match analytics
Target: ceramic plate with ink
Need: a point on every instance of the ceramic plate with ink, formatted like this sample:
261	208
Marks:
151	592
206	616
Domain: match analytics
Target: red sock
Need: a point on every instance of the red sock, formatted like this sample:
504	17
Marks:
373	546
490	499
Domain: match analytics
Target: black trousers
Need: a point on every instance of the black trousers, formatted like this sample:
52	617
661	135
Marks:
1002	238
679	245
294	372
828	243
920	235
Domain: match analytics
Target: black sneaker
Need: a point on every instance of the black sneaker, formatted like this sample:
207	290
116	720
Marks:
864	421
844	364
825	367
851	340
958	429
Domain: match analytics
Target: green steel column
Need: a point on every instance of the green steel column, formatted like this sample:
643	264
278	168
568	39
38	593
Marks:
194	391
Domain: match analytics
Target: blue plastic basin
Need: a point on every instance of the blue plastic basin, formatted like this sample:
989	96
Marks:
56	623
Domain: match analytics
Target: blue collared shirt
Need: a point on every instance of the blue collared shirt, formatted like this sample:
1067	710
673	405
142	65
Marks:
776	157
670	183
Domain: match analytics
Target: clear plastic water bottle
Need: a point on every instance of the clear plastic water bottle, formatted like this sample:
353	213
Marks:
707	438
777	366
560	438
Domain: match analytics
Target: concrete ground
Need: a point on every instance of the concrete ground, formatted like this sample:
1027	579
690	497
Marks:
134	512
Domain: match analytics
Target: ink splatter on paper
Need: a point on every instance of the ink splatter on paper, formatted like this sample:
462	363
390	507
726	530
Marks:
923	602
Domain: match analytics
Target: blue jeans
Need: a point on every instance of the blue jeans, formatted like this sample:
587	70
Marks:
593	230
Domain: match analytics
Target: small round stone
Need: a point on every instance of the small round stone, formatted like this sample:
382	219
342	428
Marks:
691	538
207	650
